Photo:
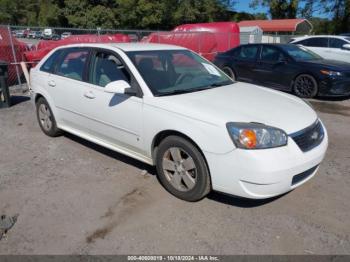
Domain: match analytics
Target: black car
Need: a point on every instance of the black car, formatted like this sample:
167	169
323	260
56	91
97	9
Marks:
286	67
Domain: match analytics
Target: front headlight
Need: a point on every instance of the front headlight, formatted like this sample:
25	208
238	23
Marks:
256	136
331	73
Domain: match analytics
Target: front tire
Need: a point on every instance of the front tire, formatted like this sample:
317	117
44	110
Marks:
305	86
46	118
182	170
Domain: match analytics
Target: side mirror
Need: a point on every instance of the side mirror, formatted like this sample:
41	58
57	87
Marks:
117	87
346	46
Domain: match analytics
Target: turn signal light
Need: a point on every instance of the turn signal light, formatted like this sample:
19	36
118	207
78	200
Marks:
248	138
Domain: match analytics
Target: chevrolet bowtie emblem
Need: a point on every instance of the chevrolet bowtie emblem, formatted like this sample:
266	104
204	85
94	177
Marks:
314	135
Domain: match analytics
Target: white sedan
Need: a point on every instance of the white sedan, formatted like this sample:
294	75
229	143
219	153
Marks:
169	107
331	47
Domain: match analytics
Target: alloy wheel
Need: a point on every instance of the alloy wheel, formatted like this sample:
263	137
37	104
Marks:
305	86
45	117
179	169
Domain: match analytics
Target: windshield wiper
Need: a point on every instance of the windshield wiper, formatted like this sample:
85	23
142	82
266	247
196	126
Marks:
179	91
224	83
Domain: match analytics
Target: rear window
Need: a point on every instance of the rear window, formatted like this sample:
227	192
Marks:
72	63
49	64
248	52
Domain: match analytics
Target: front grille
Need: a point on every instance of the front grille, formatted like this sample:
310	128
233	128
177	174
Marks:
309	137
302	176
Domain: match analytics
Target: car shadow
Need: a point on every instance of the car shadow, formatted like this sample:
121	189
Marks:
340	98
110	153
214	196
117	99
17	99
239	201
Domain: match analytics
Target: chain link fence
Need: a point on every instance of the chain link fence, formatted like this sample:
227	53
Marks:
30	44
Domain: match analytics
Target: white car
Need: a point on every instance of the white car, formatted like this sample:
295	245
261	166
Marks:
65	35
327	46
167	106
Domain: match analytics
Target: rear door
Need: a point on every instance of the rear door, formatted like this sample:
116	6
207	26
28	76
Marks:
273	69
244	62
64	85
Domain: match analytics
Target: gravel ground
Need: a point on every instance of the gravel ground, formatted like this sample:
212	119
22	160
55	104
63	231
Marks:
74	197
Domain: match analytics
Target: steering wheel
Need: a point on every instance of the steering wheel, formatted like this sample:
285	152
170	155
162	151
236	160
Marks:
182	77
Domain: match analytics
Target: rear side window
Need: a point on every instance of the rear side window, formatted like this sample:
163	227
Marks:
73	63
336	43
49	64
317	42
271	54
248	52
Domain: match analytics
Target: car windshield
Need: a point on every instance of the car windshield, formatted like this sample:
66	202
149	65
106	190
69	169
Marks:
170	72
300	53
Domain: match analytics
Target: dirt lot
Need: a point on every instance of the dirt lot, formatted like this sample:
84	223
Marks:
74	197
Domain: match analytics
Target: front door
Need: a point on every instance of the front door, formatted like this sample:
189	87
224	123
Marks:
273	69
112	118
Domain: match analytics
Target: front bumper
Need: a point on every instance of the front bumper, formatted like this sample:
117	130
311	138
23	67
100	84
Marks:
334	87
260	174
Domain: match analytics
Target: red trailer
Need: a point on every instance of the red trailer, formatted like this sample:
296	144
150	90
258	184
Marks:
45	46
207	39
203	43
10	55
226	33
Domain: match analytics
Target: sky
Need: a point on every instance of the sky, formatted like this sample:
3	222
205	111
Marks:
243	6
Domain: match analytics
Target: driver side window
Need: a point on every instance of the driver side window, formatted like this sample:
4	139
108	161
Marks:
105	68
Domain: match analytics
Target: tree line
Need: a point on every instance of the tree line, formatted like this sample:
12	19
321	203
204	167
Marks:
166	14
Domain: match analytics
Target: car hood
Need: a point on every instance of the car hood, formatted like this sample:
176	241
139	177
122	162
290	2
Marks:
329	64
241	102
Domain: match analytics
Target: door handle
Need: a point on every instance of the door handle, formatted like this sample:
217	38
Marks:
51	83
89	94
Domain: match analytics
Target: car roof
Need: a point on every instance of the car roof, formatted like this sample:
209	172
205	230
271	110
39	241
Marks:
313	36
267	44
129	46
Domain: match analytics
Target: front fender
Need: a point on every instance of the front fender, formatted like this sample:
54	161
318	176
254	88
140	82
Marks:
208	136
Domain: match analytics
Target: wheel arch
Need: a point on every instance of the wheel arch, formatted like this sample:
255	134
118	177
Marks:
38	95
166	133
230	67
303	73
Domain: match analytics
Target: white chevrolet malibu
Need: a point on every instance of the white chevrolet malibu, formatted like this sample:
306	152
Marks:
167	106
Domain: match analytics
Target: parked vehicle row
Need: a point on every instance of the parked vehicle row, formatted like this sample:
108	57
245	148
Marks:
46	34
169	107
287	67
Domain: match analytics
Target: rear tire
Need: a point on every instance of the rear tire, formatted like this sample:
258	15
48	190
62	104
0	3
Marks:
228	71
182	170
46	119
305	86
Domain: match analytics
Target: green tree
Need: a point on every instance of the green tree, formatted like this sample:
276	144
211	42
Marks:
279	9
